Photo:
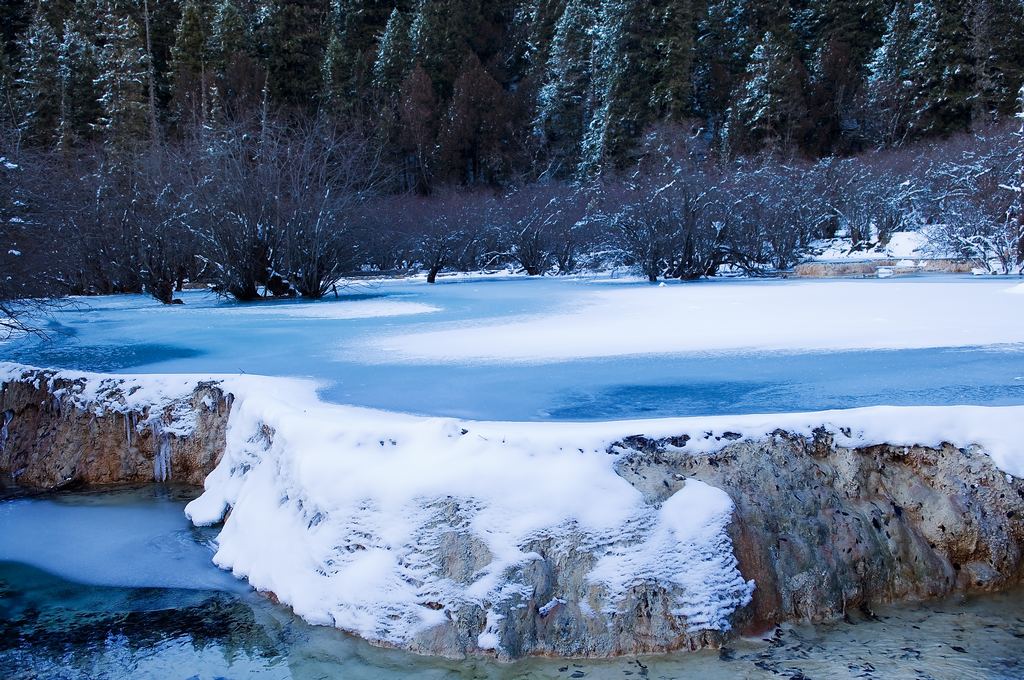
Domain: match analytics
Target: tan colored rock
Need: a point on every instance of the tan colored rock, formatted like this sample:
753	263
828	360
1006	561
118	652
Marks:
56	436
869	268
823	529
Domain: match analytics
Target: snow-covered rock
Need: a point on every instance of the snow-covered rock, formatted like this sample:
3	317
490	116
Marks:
457	537
66	428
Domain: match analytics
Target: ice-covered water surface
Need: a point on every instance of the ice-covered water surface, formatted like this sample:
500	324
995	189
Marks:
56	627
572	349
139	539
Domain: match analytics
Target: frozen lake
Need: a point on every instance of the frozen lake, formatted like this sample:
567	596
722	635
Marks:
580	349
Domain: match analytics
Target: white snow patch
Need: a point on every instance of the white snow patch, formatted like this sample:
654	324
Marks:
907	244
347	309
546	609
688	546
729	316
901	245
489	638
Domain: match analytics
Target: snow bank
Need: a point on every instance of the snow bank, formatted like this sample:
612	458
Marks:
907	244
901	245
337	511
688	546
778	316
340	511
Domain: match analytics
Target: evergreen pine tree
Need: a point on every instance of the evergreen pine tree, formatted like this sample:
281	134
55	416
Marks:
229	36
532	30
263	14
8	105
79	106
668	33
418	117
122	81
351	55
609	68
943	70
88	19
190	59
296	51
997	48
643	74
337	73
440	35
39	82
890	80
842	34
238	79
394	53
476	126
722	53
15	18
57	12
769	110
561	103
362	22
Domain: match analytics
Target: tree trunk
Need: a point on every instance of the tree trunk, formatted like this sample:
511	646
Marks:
163	290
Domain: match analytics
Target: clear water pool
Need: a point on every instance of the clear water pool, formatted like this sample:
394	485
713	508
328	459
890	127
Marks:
101	622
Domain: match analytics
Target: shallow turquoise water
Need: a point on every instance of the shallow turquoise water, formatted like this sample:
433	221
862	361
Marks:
133	334
54	627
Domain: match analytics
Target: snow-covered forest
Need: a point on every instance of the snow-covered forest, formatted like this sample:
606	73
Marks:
269	148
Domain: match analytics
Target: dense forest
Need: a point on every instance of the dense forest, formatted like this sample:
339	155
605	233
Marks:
269	146
486	92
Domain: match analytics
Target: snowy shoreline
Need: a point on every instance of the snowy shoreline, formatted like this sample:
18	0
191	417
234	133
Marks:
998	429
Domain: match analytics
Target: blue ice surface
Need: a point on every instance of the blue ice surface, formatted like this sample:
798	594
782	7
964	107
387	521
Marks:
134	334
135	538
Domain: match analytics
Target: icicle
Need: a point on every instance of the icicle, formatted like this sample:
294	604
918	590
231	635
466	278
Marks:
4	432
127	429
162	457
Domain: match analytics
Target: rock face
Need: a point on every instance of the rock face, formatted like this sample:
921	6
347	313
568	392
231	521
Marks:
60	430
875	268
552	606
823	529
